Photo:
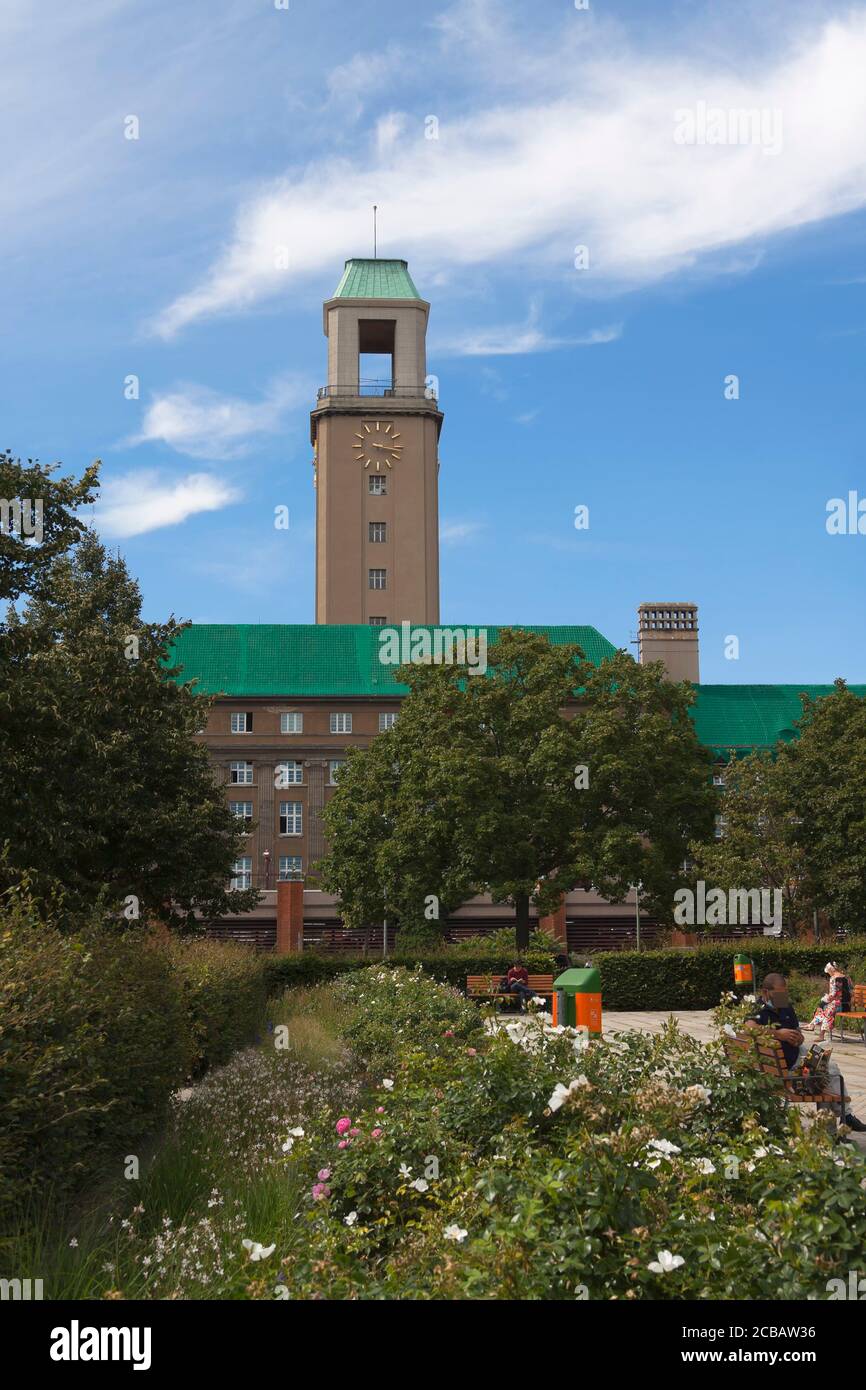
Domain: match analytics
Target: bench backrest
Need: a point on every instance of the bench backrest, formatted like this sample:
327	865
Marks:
478	984
858	999
761	1054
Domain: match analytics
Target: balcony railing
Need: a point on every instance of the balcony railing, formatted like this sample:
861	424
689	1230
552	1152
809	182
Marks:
384	390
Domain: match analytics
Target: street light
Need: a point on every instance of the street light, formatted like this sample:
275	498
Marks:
266	855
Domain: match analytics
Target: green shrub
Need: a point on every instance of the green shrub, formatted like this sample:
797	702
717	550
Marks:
92	1042
97	1029
225	988
684	978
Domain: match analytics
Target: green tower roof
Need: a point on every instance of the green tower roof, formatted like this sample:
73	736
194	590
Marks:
369	279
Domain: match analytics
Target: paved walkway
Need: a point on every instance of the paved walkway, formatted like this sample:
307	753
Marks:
850	1054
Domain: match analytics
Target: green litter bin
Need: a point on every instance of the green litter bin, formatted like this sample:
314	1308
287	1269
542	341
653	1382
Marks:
577	1000
744	974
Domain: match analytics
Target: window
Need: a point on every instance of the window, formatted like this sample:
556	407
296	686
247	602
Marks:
291	818
291	723
240	773
341	723
377	579
287	773
378	531
378	622
291	866
720	826
386	721
334	769
242	723
242	809
718	779
242	875
378	486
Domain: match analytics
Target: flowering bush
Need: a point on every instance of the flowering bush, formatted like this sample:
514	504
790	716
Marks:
451	1155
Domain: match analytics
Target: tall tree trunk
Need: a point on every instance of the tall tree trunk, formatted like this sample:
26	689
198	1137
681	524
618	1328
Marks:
521	920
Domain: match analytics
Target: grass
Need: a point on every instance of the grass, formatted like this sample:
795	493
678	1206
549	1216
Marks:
217	1175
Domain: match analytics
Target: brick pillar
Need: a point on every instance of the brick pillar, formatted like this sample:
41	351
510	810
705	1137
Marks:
290	916
554	925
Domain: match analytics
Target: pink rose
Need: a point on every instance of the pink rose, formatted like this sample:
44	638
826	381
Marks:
449	1033
377	1133
343	1124
344	1143
324	1174
380	1109
354	1133
471	1052
320	1190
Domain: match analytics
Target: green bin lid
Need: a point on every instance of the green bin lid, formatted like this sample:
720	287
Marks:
579	981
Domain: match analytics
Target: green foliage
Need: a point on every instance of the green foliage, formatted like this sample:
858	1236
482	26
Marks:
483	786
759	847
825	771
108	797
26	563
97	1029
224	990
694	979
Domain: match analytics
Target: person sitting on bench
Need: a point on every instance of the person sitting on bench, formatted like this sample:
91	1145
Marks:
517	982
836	1000
777	1012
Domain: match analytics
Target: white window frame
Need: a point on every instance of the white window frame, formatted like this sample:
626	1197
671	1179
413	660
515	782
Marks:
341	723
283	875
378	485
377	579
377	526
387	720
237	726
245	814
244	781
292	723
242	874
289	772
294	817
332	764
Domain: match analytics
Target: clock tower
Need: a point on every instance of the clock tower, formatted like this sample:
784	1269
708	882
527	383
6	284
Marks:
375	434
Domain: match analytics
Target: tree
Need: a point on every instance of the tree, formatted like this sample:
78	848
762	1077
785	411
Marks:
758	847
484	786
26	558
824	774
107	795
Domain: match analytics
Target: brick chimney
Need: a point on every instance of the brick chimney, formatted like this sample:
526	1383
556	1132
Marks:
668	632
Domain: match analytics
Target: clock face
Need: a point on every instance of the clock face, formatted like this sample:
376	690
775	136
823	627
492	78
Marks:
377	445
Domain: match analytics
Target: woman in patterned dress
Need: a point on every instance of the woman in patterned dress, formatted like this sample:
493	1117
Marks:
838	997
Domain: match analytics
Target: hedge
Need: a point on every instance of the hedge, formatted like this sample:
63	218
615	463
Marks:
96	1032
672	978
682	978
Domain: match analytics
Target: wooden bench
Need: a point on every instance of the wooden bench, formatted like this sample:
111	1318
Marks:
487	987
761	1054
857	1010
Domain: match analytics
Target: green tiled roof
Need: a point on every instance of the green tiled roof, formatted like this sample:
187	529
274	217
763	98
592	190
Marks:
315	659
293	660
749	716
364	279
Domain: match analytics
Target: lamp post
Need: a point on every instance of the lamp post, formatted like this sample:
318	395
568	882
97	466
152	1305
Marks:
266	855
637	887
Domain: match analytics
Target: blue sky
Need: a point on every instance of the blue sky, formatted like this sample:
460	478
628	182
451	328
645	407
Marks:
603	386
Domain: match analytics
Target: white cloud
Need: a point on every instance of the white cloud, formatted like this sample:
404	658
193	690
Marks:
197	421
456	532
521	183
142	501
516	339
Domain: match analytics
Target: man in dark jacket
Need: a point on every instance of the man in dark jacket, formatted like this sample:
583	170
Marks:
776	1011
